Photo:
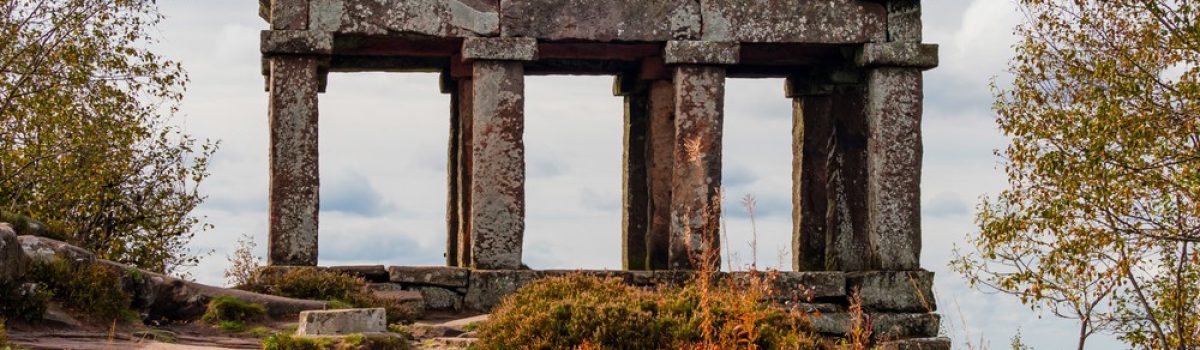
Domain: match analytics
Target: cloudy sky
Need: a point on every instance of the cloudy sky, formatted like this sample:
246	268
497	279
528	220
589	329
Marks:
383	159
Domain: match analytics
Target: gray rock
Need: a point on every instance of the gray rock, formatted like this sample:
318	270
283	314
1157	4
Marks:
41	249
455	277
342	322
440	298
13	262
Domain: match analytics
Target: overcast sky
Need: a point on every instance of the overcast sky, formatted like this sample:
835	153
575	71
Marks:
383	159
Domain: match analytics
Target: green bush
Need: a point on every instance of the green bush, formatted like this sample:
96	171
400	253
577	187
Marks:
21	303
315	284
591	312
96	290
283	341
232	309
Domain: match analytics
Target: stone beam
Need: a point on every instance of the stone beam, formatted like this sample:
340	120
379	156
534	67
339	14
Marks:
294	178
601	20
823	22
894	107
696	179
498	168
437	18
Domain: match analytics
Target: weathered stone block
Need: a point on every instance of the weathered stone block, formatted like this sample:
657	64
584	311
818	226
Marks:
370	273
914	55
601	20
883	326
500	49
454	277
302	42
438	18
488	287
440	298
342	322
798	286
826	22
904	21
289	14
294	180
894	150
909	291
696	182
13	261
701	52
917	344
498	166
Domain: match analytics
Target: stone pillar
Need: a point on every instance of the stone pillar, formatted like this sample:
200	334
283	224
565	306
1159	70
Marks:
635	196
498	149
294	179
453	193
466	155
847	246
812	135
699	84
660	160
893	109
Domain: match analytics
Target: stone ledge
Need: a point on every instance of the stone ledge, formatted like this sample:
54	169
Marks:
908	291
342	322
915	55
500	49
297	42
701	52
453	277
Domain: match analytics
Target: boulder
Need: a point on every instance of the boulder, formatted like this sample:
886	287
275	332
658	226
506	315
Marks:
13	262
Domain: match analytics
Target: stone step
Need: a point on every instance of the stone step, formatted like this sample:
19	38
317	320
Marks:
342	322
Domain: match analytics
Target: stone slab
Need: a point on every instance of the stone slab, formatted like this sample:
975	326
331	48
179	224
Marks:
905	291
601	20
437	298
300	42
500	49
883	325
437	18
701	52
916	344
916	55
370	273
825	22
454	277
342	322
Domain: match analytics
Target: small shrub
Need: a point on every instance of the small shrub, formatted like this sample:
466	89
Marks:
283	341
93	289
243	263
21	303
232	309
231	326
343	291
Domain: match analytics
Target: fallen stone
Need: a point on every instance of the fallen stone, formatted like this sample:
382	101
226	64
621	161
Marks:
13	262
342	322
454	277
437	18
905	291
440	298
824	22
601	20
916	344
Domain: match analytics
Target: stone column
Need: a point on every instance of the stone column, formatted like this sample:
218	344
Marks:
812	135
466	155
294	180
660	160
635	196
894	107
453	194
498	150
699	84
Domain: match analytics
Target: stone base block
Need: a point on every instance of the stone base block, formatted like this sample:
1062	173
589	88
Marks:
917	344
883	326
906	291
342	322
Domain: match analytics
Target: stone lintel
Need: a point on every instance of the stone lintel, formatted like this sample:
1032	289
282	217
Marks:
288	14
701	52
294	175
823	22
434	18
297	42
819	83
453	277
500	49
498	169
601	20
898	54
893	203
696	178
342	322
904	291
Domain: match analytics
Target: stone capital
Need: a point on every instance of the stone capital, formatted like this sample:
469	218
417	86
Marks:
296	42
500	49
702	52
898	54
